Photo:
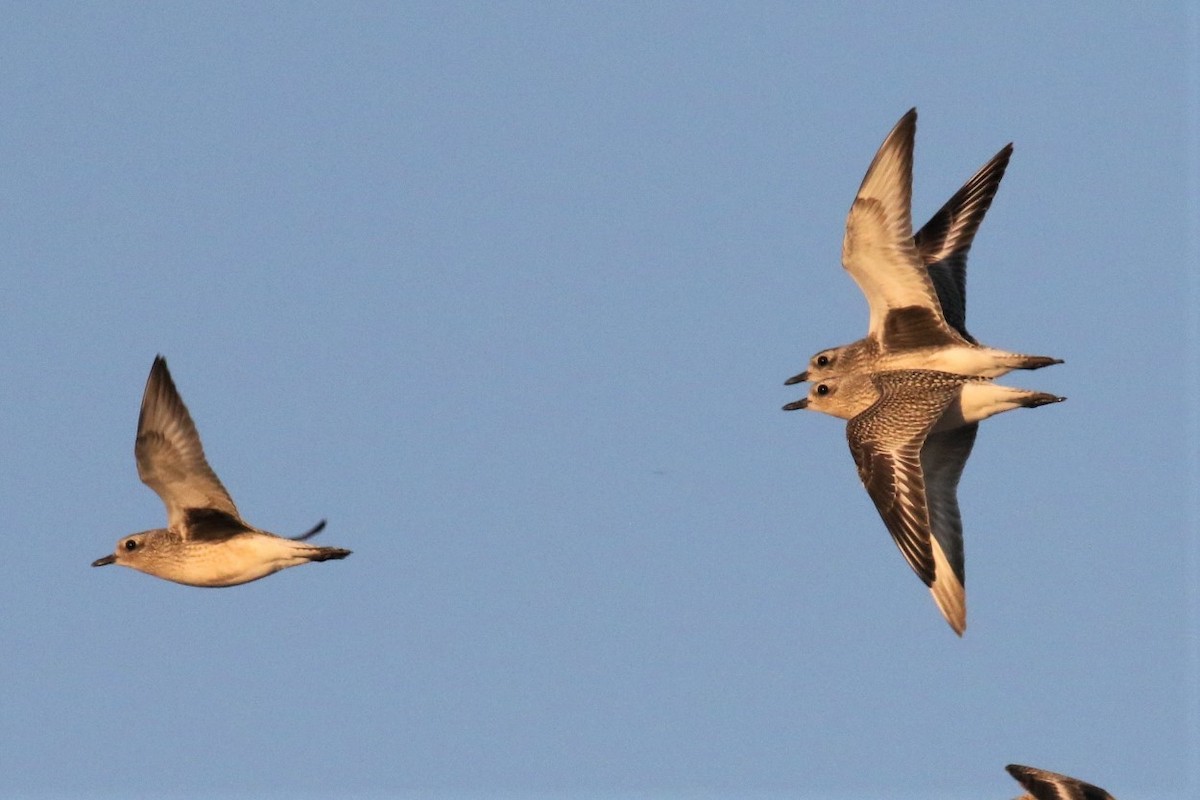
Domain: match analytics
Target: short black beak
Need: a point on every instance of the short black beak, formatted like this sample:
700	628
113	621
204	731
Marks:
799	404
108	559
801	378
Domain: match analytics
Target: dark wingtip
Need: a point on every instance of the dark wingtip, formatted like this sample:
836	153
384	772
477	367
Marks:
320	526
160	386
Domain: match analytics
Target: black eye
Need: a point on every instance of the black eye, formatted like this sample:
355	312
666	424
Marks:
130	544
822	361
822	389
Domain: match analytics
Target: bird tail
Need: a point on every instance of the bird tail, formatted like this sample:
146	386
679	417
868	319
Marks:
1035	399
327	553
1019	361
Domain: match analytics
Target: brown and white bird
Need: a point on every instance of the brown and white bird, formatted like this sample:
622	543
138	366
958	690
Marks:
915	286
1043	785
206	541
910	433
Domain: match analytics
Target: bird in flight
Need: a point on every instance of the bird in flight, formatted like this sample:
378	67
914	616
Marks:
910	433
915	286
206	541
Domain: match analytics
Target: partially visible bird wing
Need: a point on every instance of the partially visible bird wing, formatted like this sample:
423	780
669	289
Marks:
169	455
887	441
311	532
212	525
879	253
1043	785
943	457
944	241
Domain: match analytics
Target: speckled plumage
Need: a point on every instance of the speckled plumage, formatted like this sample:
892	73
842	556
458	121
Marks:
910	433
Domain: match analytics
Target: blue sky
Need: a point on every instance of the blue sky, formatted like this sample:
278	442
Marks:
507	294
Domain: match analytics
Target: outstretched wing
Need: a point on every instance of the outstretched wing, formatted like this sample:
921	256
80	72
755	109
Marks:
944	242
169	455
888	442
879	253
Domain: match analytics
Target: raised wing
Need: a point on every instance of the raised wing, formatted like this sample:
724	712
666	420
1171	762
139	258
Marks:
879	253
1043	785
887	442
944	241
169	455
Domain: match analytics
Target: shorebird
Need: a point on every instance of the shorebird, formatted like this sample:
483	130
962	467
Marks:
206	542
910	433
1043	785
915	286
942	244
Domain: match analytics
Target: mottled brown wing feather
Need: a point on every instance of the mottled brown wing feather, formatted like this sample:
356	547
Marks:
169	455
893	481
886	442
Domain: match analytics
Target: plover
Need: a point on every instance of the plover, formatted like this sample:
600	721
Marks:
206	542
1043	785
942	244
910	433
916	289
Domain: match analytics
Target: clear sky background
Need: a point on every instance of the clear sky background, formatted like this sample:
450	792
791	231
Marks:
508	293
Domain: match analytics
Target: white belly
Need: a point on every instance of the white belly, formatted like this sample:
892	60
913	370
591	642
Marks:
242	559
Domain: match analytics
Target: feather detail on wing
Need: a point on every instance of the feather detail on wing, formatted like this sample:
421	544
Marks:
893	481
887	442
169	455
878	250
944	242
